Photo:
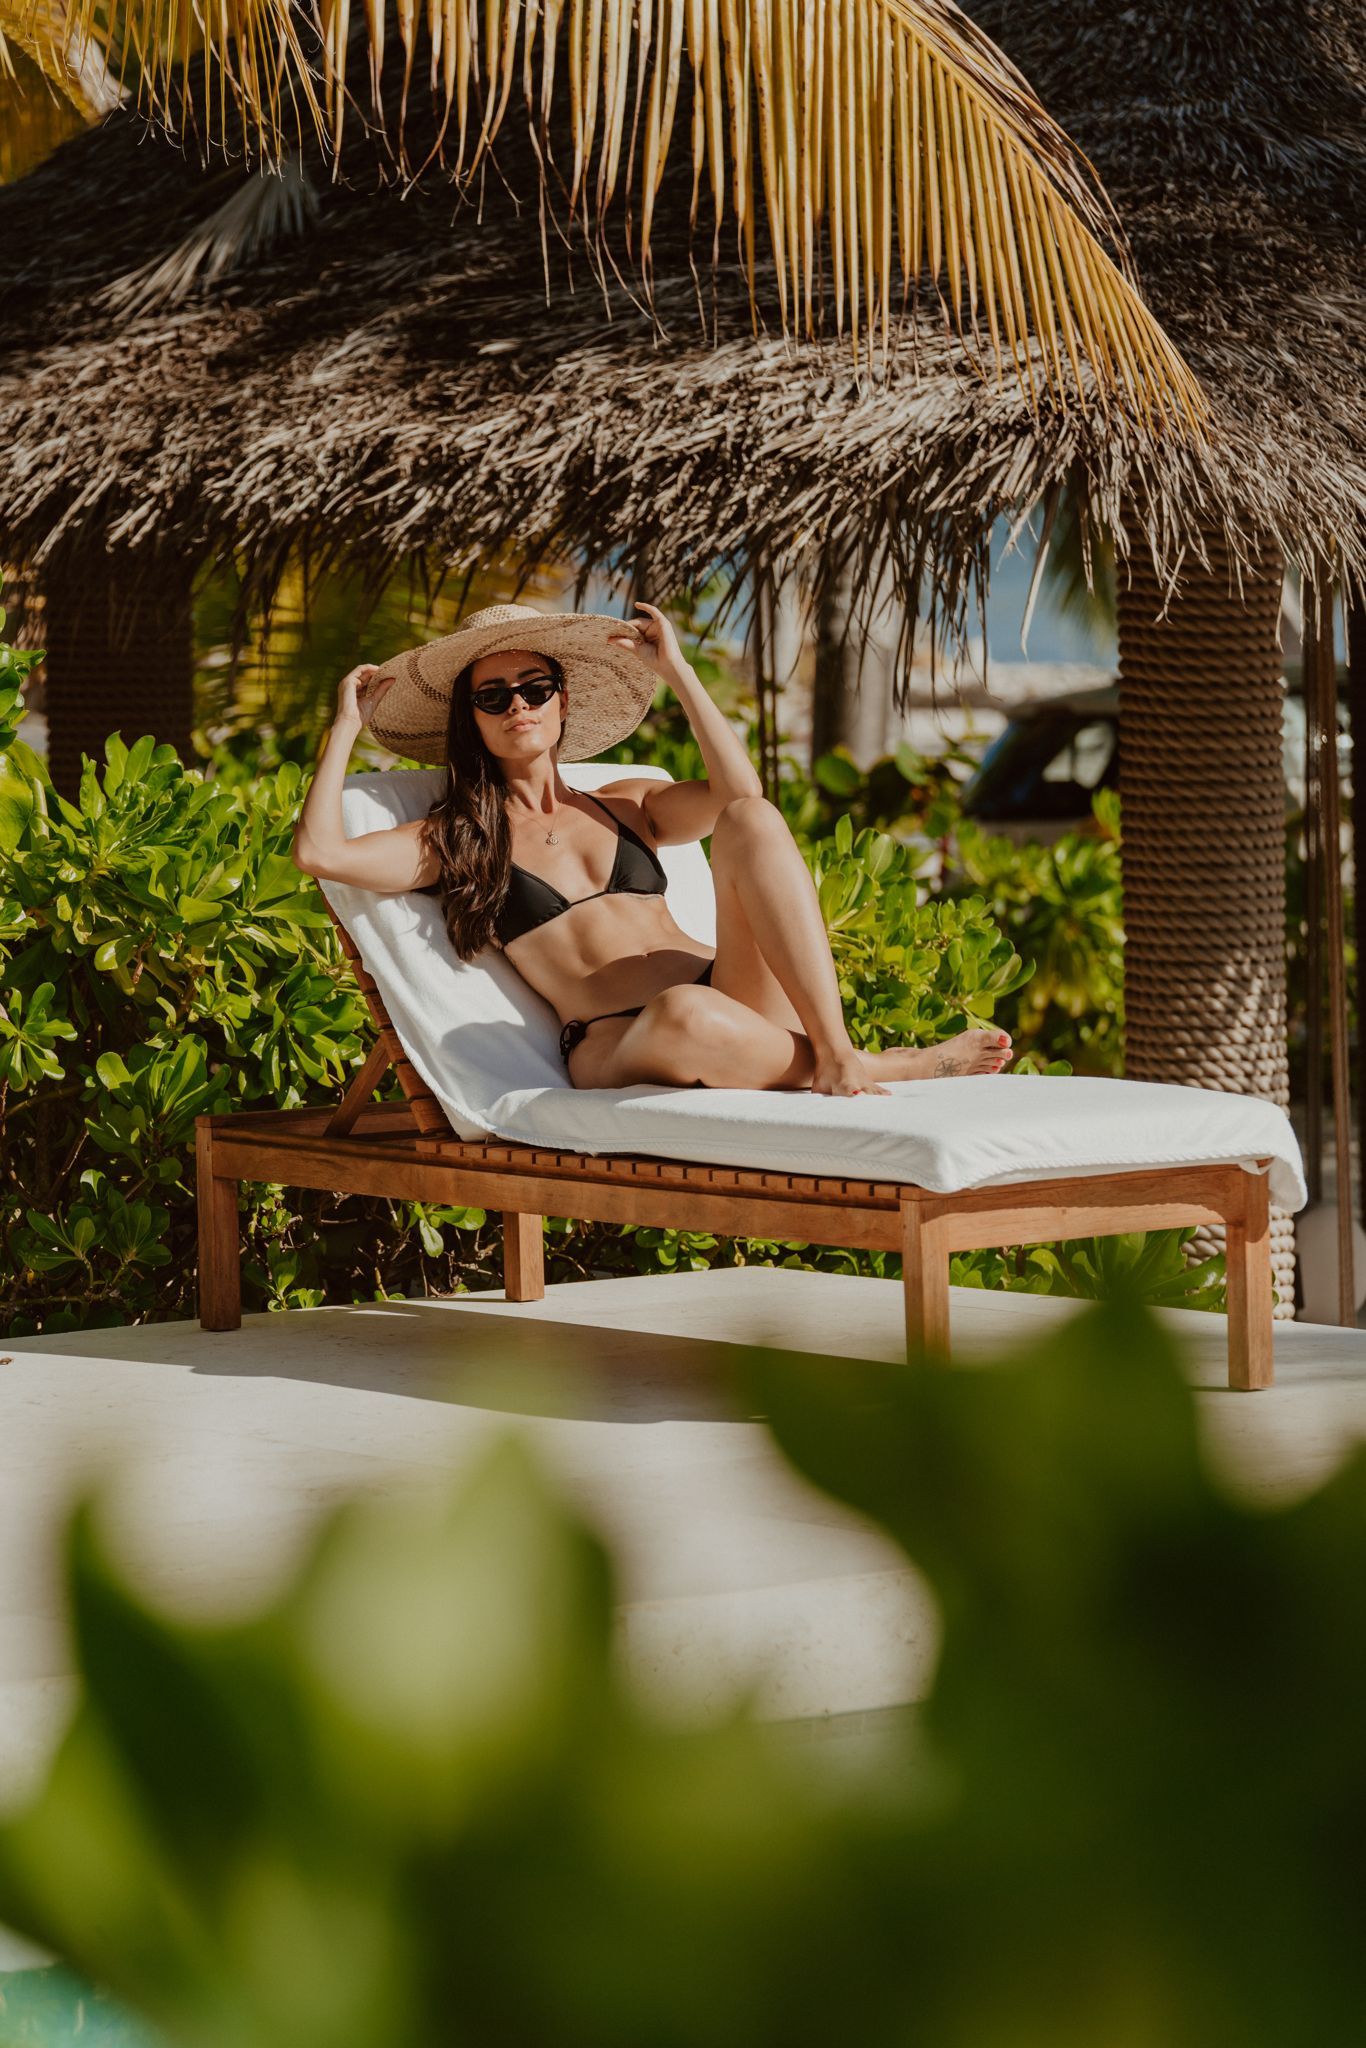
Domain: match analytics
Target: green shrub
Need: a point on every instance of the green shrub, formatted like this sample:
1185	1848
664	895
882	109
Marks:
912	970
164	957
1061	905
416	1800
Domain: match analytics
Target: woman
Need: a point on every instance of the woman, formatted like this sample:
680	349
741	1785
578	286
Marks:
571	886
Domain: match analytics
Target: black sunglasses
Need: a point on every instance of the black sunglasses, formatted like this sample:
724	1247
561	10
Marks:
494	698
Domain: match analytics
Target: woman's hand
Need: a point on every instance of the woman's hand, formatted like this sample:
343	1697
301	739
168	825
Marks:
357	698
655	642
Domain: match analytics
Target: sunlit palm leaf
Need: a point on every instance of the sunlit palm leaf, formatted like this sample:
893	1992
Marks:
34	118
69	56
890	140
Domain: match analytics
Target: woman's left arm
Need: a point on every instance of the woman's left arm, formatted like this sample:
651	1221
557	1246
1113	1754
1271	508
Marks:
679	811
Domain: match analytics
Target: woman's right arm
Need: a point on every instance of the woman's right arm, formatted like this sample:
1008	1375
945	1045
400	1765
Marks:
386	862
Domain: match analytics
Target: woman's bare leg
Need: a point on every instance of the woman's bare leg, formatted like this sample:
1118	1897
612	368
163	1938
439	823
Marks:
773	954
772	950
688	1035
774	997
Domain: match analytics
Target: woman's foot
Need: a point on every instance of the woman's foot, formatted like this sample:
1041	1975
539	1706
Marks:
848	1073
971	1052
863	1073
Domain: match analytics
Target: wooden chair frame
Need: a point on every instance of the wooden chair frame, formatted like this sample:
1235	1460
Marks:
407	1151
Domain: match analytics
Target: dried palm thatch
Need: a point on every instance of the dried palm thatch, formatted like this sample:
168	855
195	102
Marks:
1232	141
891	133
391	375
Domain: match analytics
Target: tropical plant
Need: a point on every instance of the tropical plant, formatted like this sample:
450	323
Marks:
977	190
1062	906
1153	1266
416	1797
911	971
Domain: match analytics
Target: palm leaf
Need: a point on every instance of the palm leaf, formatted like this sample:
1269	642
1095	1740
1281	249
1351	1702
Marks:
70	57
886	142
270	207
34	117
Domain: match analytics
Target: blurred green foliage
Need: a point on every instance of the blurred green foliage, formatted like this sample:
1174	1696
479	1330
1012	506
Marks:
415	1799
51	2006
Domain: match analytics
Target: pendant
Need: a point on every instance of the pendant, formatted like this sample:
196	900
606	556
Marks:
551	840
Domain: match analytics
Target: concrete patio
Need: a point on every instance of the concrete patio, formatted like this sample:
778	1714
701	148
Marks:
733	1570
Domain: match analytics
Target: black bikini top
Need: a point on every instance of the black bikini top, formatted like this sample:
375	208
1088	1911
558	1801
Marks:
532	901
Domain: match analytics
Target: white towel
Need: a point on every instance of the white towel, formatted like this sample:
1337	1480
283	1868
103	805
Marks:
487	1047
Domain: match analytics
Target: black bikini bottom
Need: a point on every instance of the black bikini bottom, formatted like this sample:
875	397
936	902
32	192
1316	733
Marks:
577	1030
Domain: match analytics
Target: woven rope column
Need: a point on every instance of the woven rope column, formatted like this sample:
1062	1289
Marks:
120	657
1201	781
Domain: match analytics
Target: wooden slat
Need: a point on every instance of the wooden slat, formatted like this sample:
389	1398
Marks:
387	1126
398	1172
1033	1212
1039	1223
1207	1186
376	1119
633	1170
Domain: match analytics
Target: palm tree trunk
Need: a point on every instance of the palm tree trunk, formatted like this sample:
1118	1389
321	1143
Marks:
853	701
1202	784
832	688
120	656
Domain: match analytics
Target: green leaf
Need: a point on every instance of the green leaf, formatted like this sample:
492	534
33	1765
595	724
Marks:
112	1071
197	909
17	802
838	774
115	953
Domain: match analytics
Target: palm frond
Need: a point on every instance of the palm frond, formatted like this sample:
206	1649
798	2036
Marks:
885	148
267	208
35	118
70	57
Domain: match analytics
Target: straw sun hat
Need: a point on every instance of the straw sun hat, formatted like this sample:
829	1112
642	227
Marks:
610	688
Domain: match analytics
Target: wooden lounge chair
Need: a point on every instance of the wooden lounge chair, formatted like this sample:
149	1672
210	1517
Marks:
408	1151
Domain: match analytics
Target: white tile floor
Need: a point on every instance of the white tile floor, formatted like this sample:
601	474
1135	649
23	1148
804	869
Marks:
731	1567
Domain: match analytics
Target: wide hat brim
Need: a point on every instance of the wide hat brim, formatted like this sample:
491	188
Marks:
610	688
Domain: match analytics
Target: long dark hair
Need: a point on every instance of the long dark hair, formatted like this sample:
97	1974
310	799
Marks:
467	827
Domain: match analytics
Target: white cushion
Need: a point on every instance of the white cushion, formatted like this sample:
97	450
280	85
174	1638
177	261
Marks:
487	1047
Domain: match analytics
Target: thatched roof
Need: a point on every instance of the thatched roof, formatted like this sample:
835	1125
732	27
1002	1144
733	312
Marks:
390	378
1232	141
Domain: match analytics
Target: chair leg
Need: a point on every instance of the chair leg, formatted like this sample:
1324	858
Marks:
925	1270
1247	1253
523	1257
220	1259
